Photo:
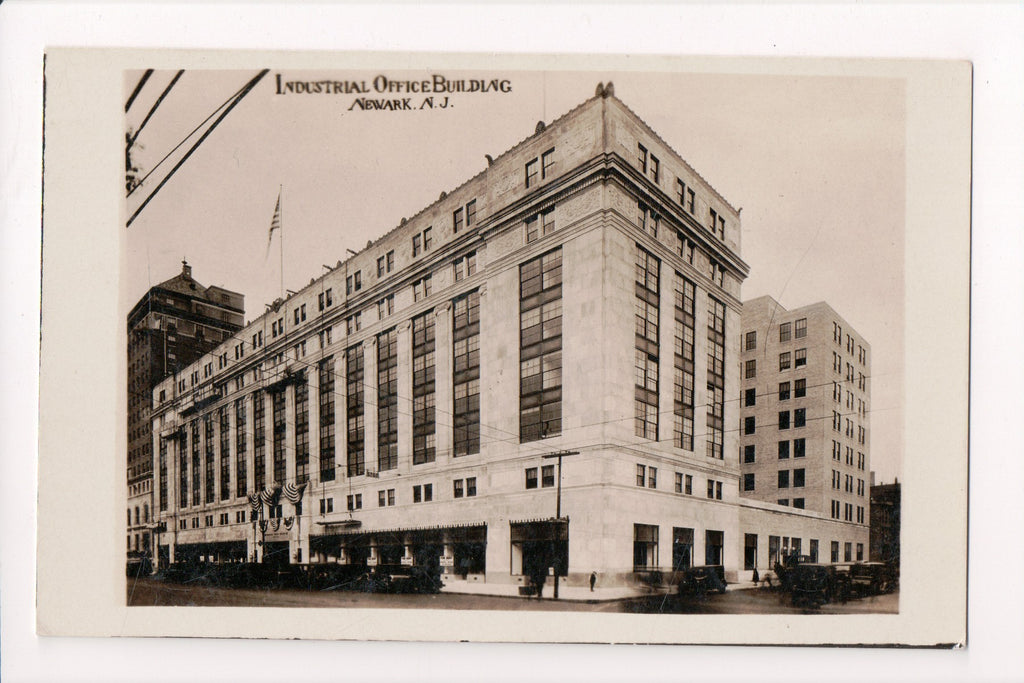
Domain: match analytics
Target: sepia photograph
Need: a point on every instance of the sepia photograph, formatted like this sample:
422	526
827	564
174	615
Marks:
505	349
508	340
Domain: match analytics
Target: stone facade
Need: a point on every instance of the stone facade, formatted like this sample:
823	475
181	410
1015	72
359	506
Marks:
583	200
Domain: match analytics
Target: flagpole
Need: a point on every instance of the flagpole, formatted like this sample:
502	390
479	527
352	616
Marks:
280	193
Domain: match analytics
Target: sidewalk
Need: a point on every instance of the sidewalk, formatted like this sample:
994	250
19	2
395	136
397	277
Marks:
577	593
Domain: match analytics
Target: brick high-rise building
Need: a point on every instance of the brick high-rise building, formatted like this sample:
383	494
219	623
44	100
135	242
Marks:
805	411
171	326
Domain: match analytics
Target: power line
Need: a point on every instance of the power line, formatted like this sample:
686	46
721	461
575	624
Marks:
245	91
154	108
138	88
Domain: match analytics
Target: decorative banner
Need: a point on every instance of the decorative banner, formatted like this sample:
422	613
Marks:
254	501
269	495
263	525
275	523
288	521
294	493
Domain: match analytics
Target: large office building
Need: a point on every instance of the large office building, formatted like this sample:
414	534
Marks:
580	295
172	325
885	522
805	406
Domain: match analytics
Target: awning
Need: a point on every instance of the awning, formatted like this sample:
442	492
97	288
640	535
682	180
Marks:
396	530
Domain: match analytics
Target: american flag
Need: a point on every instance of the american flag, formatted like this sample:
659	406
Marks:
275	222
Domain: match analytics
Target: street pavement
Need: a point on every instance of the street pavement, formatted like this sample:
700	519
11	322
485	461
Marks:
736	600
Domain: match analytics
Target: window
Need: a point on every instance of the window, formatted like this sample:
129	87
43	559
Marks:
683	375
465	266
714	220
380	267
860	552
714	542
457	490
646	219
353	323
681	192
421	288
783	450
714	489
325	371
750	397
748	482
847	552
688	485
457	220
682	548
531	172
547	163
641	475
801	328
645	547
646	352
716	378
387	400
382	498
641	157
547	476
748	453
531	477
690	196
652	477
326	505
751	341
799	448
354	282
385	307
471	213
783	391
422	493
427	238
785	331
355	502
423	389
748	424
799	503
540	224
800	358
354	410
750	369
784	419
798	478
466	373
800	388
784	361
783	479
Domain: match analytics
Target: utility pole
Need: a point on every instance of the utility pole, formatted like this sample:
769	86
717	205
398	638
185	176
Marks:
558	497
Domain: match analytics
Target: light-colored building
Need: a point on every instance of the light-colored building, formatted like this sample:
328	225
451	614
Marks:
805	419
172	325
579	294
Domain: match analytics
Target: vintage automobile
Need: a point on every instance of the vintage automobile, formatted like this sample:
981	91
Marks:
815	584
700	580
872	578
784	569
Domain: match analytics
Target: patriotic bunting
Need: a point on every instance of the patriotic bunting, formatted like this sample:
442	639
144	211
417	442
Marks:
294	493
275	523
288	522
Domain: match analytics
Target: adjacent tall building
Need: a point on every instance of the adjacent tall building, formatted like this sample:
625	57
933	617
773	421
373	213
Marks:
805	414
171	326
580	295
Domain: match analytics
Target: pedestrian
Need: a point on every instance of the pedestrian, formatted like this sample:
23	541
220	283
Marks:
757	579
593	580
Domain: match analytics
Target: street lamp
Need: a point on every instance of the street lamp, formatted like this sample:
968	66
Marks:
558	497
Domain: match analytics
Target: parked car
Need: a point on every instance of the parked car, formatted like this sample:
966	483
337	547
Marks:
816	584
872	578
700	580
784	569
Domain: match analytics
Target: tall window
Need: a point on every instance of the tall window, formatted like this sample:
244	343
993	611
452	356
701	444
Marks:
225	454
684	362
531	172
240	447
280	425
801	328
259	441
302	431
182	471
785	332
647	301
387	400
540	347
196	482
354	409
645	547
465	266
326	377
682	548
466	373
423	397
716	378
163	475
208	440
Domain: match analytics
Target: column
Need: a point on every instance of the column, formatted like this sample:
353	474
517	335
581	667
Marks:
499	540
443	384
404	405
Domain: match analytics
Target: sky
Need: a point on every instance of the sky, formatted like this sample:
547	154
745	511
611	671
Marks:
816	163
